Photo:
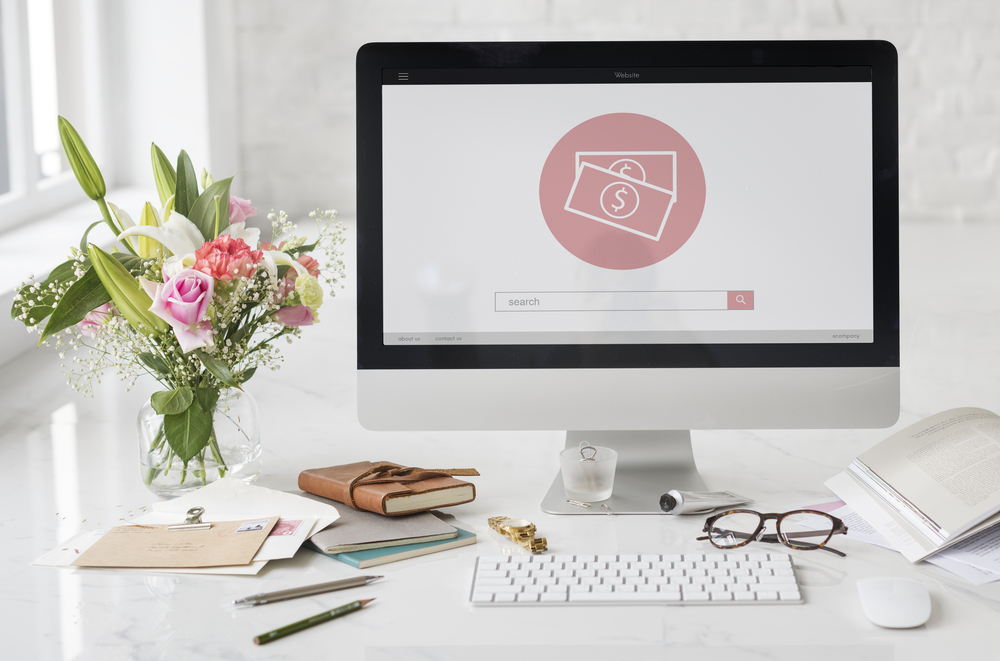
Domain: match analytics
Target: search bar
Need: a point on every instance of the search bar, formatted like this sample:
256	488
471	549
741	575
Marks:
622	301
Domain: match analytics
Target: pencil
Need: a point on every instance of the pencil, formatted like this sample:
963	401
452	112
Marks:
286	630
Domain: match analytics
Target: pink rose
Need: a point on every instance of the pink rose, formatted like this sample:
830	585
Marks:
295	315
183	303
95	319
240	209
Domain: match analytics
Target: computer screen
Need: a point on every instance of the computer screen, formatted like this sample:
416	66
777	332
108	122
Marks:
627	236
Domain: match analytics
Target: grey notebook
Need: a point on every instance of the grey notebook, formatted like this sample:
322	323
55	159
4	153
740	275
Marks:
357	530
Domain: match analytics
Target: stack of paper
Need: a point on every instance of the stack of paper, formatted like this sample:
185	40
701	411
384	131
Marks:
226	500
932	492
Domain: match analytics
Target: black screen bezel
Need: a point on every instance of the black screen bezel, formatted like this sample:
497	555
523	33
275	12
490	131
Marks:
377	64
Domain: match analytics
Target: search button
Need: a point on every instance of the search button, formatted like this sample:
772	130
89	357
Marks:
740	300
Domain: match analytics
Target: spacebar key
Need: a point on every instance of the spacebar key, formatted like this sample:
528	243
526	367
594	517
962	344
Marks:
619	596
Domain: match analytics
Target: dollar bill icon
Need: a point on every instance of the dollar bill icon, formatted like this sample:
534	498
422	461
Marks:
604	191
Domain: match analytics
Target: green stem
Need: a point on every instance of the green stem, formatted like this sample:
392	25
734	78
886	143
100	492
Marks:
203	473
213	445
157	443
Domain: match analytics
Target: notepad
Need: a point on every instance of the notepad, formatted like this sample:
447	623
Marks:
381	556
357	530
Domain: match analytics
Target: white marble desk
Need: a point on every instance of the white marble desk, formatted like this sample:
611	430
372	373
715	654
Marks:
69	463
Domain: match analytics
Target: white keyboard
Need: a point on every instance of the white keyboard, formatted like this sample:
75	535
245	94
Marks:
641	578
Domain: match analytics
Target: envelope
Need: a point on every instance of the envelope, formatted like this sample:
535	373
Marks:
228	499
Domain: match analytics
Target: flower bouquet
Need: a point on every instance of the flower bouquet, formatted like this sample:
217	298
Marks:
192	298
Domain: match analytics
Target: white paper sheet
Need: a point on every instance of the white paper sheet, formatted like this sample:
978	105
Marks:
228	497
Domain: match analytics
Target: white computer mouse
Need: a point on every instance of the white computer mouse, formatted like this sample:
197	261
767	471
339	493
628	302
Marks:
895	603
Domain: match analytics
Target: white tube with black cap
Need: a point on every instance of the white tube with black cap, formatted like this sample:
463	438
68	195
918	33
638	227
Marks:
699	502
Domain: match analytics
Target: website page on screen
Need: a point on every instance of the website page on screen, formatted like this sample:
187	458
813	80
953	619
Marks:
642	213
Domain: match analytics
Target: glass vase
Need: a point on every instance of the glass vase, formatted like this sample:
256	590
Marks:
233	448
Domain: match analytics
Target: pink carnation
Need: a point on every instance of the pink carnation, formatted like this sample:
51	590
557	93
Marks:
240	209
310	263
226	258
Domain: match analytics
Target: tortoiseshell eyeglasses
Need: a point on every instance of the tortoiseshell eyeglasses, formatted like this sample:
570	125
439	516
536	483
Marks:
805	530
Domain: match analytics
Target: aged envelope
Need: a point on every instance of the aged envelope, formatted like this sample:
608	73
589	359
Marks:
225	543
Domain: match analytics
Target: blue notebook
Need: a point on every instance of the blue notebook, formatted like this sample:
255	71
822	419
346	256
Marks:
372	557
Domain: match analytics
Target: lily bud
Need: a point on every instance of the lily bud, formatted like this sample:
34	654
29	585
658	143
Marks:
206	179
83	164
163	174
129	298
148	247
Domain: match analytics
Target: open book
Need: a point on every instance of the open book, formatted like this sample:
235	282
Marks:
930	485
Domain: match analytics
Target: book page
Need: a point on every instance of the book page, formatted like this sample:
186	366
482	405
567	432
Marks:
947	465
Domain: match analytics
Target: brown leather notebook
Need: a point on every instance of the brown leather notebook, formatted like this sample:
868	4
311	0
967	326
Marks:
390	489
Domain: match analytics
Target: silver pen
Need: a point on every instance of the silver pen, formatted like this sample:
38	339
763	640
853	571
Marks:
305	591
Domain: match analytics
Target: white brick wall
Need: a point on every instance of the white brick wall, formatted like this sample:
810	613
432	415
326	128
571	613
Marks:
296	78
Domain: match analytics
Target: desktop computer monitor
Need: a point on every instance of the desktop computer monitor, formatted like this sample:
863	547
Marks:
628	241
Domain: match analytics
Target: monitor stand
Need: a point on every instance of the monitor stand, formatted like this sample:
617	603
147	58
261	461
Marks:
650	463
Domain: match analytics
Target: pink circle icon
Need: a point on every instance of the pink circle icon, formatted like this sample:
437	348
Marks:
622	191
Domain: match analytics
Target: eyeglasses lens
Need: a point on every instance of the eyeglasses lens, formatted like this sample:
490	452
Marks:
805	530
733	530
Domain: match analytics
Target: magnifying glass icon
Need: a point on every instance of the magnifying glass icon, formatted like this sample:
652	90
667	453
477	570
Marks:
740	299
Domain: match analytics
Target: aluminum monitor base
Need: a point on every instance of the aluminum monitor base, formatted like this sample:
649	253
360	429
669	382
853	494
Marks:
650	463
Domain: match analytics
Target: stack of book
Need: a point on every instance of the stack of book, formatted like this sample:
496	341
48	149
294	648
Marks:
934	485
364	539
384	513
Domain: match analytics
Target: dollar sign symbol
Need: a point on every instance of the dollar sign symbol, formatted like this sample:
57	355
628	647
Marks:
619	207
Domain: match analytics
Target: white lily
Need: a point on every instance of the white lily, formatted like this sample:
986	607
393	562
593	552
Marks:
250	235
124	221
178	234
271	260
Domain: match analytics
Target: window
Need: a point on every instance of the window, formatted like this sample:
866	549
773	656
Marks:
43	47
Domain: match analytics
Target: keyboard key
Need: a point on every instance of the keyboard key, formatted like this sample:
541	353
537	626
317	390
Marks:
527	596
550	597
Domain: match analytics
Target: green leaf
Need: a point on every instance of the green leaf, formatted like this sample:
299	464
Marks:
44	299
155	363
163	174
86	294
202	212
309	247
188	432
187	185
84	241
134	265
246	375
207	398
218	368
171	402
